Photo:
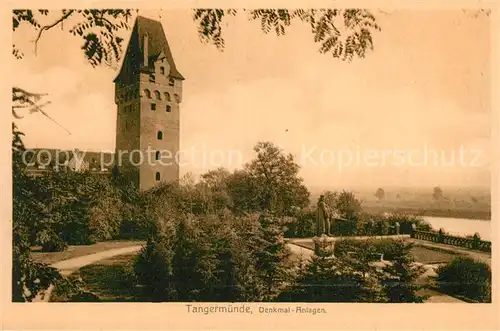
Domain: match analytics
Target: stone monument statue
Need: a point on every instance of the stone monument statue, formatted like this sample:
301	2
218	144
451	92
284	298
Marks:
323	217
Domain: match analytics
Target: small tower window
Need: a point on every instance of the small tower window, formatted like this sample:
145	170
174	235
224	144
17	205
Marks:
168	108
159	135
171	82
157	176
153	106
147	93
157	155
152	78
157	95
162	70
177	98
167	96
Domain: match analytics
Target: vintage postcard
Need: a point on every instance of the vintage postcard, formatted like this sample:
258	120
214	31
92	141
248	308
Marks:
251	166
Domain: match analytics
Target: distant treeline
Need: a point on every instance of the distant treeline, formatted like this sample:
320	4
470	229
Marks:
432	212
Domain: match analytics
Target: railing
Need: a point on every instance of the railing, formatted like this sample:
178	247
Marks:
439	237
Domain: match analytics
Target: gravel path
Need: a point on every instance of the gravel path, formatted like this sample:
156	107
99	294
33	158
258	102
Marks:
67	267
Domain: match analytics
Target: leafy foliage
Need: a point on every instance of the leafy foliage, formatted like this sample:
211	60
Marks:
271	256
73	290
344	33
347	204
78	208
304	224
212	253
351	220
97	27
274	175
29	278
333	280
466	277
269	184
400	277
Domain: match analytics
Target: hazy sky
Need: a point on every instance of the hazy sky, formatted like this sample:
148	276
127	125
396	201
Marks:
425	85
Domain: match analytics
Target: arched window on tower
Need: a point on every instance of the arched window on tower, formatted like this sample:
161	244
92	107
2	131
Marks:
157	176
168	108
157	95
167	96
159	135
147	93
157	155
177	98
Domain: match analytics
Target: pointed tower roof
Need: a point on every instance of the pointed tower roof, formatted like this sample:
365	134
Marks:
157	43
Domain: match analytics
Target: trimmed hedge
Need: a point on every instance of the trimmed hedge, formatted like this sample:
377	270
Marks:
364	224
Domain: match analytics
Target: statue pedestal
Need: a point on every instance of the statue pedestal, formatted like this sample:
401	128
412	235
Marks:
324	246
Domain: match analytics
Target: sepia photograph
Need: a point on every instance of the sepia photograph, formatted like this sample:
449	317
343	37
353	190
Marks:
234	156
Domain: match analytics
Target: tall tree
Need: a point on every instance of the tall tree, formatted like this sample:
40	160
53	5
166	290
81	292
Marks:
28	277
333	280
437	194
347	204
380	194
400	278
276	175
272	255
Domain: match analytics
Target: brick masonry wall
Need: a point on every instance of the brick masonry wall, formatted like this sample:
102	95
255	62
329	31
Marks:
127	129
153	121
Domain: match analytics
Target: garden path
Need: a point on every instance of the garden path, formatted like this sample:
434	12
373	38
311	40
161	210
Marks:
67	267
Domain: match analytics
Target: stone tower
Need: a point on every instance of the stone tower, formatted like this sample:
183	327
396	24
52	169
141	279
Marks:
148	92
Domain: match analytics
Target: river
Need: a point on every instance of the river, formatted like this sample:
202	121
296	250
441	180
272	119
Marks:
461	226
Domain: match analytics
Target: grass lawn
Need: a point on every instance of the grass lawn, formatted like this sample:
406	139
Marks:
111	280
80	250
431	255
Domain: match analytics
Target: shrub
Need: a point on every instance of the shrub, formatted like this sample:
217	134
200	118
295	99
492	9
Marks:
54	245
333	280
466	277
69	289
390	248
153	268
397	281
304	225
380	224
